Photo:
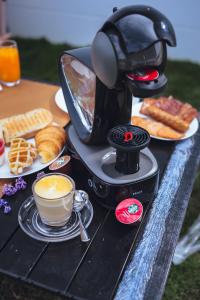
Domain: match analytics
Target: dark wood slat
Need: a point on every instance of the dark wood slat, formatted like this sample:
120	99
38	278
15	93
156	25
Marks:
20	253
104	261
156	284
57	266
162	151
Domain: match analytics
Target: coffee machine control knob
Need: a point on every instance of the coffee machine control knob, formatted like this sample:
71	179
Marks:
128	140
100	188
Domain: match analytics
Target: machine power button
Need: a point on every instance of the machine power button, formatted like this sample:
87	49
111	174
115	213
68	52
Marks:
100	188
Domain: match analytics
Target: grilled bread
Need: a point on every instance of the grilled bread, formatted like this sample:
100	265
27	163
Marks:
21	155
156	128
49	142
25	125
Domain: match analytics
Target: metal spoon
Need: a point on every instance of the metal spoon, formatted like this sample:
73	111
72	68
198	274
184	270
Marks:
79	203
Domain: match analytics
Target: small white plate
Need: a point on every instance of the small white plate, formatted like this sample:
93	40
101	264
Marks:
194	125
35	167
60	100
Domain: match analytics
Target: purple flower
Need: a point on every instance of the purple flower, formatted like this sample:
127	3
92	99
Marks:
20	184
39	175
1	203
9	189
7	209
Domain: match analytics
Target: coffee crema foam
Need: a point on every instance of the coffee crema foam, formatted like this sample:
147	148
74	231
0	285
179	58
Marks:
53	187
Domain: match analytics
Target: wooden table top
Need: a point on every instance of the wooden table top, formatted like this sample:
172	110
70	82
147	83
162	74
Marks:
30	95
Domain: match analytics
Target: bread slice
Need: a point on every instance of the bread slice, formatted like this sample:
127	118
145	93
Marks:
25	125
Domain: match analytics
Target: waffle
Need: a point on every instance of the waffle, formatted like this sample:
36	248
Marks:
21	155
25	125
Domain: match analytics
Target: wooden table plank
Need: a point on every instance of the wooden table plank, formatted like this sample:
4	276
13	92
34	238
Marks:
136	281
105	260
20	254
30	95
61	260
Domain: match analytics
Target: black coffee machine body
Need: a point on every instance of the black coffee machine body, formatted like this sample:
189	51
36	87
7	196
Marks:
127	58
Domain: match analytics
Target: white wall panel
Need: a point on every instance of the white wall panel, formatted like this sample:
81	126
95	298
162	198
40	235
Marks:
76	21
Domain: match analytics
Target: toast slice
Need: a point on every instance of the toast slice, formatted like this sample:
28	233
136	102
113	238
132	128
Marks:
25	125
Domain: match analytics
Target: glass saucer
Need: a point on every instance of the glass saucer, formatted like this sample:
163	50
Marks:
30	222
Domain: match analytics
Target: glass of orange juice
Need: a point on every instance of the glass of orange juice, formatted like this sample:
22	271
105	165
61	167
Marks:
9	63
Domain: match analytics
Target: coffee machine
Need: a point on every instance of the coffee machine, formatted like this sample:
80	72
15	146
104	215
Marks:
127	58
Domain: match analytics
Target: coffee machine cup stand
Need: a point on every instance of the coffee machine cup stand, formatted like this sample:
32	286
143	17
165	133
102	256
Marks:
127	58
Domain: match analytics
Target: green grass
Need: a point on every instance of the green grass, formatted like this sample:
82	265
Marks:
39	61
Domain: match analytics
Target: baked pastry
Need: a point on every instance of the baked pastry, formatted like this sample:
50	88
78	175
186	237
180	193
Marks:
170	111
25	125
160	115
49	142
156	128
21	155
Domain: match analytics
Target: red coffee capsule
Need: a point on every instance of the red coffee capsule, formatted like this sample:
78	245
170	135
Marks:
129	211
2	146
2	151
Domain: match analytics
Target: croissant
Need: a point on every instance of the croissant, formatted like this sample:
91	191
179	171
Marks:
59	131
49	142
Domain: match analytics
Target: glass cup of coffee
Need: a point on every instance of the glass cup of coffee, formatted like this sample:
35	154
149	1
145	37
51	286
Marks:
54	194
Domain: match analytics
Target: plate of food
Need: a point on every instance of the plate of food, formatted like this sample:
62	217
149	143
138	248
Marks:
29	142
166	118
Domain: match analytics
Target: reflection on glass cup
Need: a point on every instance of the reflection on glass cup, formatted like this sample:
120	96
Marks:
9	63
53	194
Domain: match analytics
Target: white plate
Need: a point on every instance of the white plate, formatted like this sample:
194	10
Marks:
189	133
35	167
60	101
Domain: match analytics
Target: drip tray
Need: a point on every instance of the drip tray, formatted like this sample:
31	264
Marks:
100	161
108	167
